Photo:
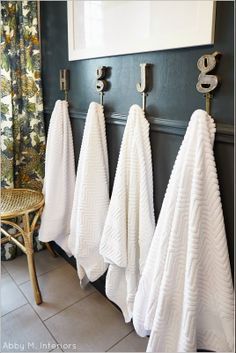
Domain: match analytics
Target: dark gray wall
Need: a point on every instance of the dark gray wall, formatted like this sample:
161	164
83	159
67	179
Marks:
170	103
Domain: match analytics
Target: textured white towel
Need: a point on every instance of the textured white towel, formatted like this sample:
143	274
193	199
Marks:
130	222
59	179
185	295
91	198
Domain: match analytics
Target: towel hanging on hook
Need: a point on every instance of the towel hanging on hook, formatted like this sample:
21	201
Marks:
185	299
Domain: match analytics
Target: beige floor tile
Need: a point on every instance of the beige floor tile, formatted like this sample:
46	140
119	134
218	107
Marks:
93	325
59	288
131	343
44	262
11	296
22	330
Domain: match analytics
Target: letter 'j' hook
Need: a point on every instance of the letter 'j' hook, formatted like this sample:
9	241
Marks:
142	86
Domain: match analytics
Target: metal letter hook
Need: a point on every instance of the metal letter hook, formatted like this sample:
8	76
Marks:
207	83
142	86
65	81
101	84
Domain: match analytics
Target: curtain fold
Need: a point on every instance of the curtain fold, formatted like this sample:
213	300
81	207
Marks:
22	125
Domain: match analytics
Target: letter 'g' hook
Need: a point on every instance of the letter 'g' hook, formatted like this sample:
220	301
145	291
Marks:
207	83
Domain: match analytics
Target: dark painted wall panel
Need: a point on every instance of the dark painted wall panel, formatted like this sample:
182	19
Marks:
173	97
164	151
224	155
114	137
174	71
77	126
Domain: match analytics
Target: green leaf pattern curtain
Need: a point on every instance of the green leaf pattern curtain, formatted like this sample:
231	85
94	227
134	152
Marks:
22	125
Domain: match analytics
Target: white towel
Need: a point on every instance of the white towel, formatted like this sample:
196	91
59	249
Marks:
59	182
130	222
91	198
185	295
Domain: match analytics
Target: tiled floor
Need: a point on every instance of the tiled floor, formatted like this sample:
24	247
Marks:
69	319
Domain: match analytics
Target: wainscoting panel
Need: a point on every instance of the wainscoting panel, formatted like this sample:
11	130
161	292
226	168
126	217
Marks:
166	136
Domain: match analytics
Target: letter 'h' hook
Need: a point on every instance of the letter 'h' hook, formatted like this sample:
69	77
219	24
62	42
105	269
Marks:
65	82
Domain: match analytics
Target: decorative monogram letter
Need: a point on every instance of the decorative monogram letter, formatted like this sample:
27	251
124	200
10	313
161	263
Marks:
207	83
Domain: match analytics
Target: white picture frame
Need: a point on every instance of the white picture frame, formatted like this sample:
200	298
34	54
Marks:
108	28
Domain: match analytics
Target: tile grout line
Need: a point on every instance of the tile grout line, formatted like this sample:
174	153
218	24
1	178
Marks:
77	301
28	302
59	348
44	273
11	311
2	266
43	321
33	309
50	333
119	340
41	274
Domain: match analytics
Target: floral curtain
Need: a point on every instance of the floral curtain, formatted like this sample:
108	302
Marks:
22	126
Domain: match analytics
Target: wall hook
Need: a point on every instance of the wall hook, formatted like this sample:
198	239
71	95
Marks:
65	82
101	84
207	83
142	86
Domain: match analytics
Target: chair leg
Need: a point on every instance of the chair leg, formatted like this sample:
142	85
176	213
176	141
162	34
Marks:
30	258
52	252
33	278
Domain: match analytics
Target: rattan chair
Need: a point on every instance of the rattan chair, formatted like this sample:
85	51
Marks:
17	203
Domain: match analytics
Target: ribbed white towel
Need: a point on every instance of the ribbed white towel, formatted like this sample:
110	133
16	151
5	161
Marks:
59	182
91	198
185	295
130	222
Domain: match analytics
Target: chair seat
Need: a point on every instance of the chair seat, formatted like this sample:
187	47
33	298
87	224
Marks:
15	202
